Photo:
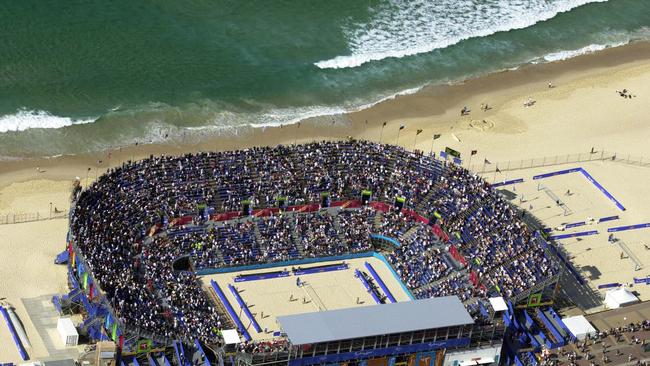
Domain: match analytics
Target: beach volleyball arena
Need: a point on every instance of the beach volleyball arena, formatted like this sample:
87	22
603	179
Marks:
331	252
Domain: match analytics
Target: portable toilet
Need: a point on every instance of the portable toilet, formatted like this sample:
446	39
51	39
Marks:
68	332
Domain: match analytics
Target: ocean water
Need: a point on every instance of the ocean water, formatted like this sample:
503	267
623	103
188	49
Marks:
79	76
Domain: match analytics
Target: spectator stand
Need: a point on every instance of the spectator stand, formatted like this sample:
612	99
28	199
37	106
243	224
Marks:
192	189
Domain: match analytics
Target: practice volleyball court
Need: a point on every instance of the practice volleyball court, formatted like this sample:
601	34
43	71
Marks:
581	211
267	293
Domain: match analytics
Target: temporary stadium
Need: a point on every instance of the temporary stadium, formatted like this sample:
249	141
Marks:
337	252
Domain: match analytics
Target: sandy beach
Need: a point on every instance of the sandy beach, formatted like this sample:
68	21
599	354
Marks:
582	110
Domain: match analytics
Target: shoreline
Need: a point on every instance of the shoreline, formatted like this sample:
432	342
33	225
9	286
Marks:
433	109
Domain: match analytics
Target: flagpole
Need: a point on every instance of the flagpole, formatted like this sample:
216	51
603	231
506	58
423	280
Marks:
398	132
495	173
381	133
414	140
469	165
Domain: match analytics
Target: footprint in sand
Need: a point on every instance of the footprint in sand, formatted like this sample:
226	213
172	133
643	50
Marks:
481	124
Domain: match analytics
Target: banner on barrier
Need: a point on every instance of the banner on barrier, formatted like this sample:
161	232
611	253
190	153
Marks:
642	280
534	300
143	346
452	152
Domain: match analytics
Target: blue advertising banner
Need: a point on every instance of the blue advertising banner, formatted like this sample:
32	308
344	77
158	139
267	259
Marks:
589	178
575	224
608	218
507	182
602	189
559	172
574	235
628	227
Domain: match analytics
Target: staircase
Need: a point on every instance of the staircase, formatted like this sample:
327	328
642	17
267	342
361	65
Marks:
410	233
297	242
258	237
426	200
339	233
378	220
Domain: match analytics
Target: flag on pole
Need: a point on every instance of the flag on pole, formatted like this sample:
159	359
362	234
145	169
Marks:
401	127
498	171
473	152
487	161
384	125
418	132
436	136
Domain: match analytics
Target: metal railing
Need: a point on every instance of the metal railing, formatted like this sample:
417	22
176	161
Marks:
21	217
510	165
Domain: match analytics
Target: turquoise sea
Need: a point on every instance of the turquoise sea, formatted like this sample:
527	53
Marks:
87	75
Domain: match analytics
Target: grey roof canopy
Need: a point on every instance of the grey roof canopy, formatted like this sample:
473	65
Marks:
374	320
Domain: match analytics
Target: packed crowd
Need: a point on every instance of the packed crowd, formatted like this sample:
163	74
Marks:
356	227
276	232
126	225
394	224
420	260
501	249
318	236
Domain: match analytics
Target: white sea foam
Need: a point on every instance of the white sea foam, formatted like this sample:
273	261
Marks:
26	119
403	28
279	116
567	54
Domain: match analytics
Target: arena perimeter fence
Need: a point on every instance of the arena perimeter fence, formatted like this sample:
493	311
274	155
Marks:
483	167
18	218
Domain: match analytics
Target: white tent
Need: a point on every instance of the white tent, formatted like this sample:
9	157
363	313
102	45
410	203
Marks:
230	336
498	304
614	299
579	326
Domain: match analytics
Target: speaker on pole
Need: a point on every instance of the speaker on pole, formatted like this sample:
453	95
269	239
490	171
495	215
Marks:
433	219
247	208
203	210
324	200
366	195
399	202
282	203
